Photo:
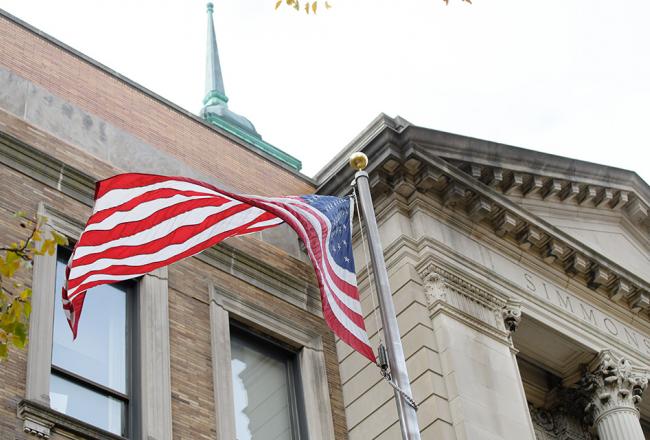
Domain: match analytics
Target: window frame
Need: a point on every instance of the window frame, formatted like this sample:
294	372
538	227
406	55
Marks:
289	355
229	307
150	375
128	412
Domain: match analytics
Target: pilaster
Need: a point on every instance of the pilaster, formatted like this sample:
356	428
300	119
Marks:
154	362
472	325
454	295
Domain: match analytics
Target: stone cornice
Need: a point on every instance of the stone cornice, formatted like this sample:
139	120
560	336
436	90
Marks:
413	169
301	294
381	124
384	130
555	247
46	169
616	195
493	154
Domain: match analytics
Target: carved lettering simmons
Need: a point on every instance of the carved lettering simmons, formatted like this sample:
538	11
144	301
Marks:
646	342
529	282
588	314
610	326
564	300
631	338
585	312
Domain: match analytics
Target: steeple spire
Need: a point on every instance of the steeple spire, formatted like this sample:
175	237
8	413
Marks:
215	109
215	104
213	76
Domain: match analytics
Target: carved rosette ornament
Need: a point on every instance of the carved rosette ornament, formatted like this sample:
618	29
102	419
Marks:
614	389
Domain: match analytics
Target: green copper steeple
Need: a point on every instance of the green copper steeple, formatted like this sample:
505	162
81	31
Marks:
215	104
214	89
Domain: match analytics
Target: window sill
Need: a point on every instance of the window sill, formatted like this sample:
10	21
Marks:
40	420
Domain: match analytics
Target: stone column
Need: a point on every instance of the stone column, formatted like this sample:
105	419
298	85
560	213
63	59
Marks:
614	390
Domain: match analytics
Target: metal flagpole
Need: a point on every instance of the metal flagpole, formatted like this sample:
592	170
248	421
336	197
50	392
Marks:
407	415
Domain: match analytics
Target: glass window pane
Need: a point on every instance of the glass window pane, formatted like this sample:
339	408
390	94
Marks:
261	392
84	404
99	352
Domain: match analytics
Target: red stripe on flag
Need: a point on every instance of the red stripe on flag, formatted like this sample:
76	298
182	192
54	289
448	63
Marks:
129	228
158	194
178	236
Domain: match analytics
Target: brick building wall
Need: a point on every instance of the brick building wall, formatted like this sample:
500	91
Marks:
146	116
38	166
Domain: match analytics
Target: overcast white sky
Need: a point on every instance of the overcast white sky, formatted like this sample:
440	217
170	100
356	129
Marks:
569	77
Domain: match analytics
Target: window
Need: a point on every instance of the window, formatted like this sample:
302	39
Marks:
266	389
90	377
98	368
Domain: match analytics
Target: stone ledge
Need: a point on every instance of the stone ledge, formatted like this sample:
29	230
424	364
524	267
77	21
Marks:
293	290
40	421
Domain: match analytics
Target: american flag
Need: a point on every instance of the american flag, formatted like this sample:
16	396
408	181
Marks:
142	222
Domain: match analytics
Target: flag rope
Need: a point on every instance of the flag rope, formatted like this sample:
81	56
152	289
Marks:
386	375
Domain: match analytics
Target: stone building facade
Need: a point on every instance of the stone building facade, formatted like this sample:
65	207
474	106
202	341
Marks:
521	280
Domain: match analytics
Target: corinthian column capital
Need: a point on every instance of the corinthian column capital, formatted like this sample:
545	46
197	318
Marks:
612	385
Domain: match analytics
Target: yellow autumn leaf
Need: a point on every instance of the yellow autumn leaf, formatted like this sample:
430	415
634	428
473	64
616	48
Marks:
327	5
307	7
314	6
9	265
17	310
277	5
291	2
60	239
48	247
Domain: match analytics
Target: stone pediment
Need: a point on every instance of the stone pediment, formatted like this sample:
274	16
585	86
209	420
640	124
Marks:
477	179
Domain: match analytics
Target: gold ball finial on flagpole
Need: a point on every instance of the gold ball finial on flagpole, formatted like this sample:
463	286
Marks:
358	161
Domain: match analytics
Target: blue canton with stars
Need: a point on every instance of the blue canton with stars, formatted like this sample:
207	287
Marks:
337	210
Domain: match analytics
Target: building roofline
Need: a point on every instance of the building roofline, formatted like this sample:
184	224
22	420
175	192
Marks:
461	147
456	146
152	95
381	122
